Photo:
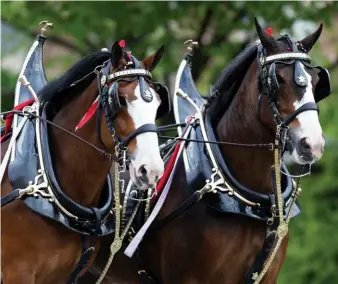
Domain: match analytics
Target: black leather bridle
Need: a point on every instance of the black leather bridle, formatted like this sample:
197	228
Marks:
110	101
269	84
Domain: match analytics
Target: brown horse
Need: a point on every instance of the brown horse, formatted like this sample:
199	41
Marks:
221	239
35	248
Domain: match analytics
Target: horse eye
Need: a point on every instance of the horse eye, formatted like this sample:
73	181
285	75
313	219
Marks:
151	85
280	79
123	101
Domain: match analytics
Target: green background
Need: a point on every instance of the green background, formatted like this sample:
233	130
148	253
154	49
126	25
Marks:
223	28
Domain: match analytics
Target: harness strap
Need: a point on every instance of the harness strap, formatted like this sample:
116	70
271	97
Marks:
87	251
263	254
145	278
187	204
145	275
304	107
10	197
149	127
98	219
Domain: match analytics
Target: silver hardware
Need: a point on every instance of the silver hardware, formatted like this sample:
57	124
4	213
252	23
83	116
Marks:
36	188
214	183
103	80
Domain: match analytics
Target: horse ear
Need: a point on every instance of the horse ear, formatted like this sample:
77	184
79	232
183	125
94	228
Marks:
116	54
268	42
309	41
151	61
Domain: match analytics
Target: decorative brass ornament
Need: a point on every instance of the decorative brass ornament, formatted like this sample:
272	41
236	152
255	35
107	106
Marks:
103	80
191	45
254	276
45	25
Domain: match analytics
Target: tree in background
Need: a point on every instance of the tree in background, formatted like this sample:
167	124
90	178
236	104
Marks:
223	30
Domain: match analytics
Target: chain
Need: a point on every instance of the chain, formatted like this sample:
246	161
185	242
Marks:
282	228
116	245
148	201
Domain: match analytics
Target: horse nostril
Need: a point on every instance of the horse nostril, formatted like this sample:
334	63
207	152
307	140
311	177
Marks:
304	145
143	171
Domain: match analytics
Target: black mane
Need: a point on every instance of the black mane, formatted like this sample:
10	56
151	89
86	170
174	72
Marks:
57	91
229	81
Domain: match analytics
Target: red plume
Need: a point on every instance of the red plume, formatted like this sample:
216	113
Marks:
269	31
122	43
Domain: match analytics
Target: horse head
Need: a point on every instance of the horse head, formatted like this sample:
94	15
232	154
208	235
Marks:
132	103
294	87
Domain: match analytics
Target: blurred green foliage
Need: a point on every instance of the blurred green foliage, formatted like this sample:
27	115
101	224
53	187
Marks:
83	27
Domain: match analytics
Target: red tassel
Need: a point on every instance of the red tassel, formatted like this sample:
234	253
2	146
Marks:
9	117
163	180
269	31
122	43
89	114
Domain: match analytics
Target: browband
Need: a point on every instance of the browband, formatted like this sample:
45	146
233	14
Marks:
128	73
288	55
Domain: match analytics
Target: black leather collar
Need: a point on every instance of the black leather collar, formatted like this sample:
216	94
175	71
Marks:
263	199
77	209
25	168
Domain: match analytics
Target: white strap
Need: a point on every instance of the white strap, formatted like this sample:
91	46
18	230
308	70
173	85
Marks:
130	250
15	134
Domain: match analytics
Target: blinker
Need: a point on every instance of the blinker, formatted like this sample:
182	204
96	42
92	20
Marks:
300	76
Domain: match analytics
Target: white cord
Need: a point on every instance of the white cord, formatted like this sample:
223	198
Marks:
143	199
297	176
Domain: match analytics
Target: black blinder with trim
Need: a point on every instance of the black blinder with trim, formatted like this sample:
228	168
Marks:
112	101
165	106
272	80
323	88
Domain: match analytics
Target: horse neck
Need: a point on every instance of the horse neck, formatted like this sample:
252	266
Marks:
251	167
80	169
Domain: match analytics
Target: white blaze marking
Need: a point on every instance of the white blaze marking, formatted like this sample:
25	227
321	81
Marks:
308	120
147	148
